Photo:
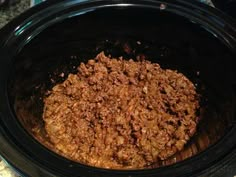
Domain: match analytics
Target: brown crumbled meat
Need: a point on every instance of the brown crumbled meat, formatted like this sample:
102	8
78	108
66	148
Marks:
117	113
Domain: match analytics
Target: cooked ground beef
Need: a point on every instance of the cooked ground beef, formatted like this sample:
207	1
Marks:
117	113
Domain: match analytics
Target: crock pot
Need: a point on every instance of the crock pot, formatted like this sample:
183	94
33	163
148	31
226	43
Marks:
55	36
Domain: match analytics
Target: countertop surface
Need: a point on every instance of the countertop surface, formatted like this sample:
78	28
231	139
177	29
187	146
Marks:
8	13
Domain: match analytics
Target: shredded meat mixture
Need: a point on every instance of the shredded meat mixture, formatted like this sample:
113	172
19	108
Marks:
117	113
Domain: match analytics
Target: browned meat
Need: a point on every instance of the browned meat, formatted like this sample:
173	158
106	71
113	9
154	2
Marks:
116	113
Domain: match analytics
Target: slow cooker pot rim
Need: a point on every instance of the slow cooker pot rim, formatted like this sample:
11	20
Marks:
7	31
211	16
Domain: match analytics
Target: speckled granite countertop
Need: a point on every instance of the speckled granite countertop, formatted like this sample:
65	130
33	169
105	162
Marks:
6	171
9	13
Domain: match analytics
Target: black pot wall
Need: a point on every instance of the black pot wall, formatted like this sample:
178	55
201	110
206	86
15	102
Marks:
54	37
227	6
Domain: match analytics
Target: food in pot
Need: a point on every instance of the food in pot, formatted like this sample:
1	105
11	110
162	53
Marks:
117	113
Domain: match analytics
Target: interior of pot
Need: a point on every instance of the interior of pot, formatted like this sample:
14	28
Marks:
170	40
